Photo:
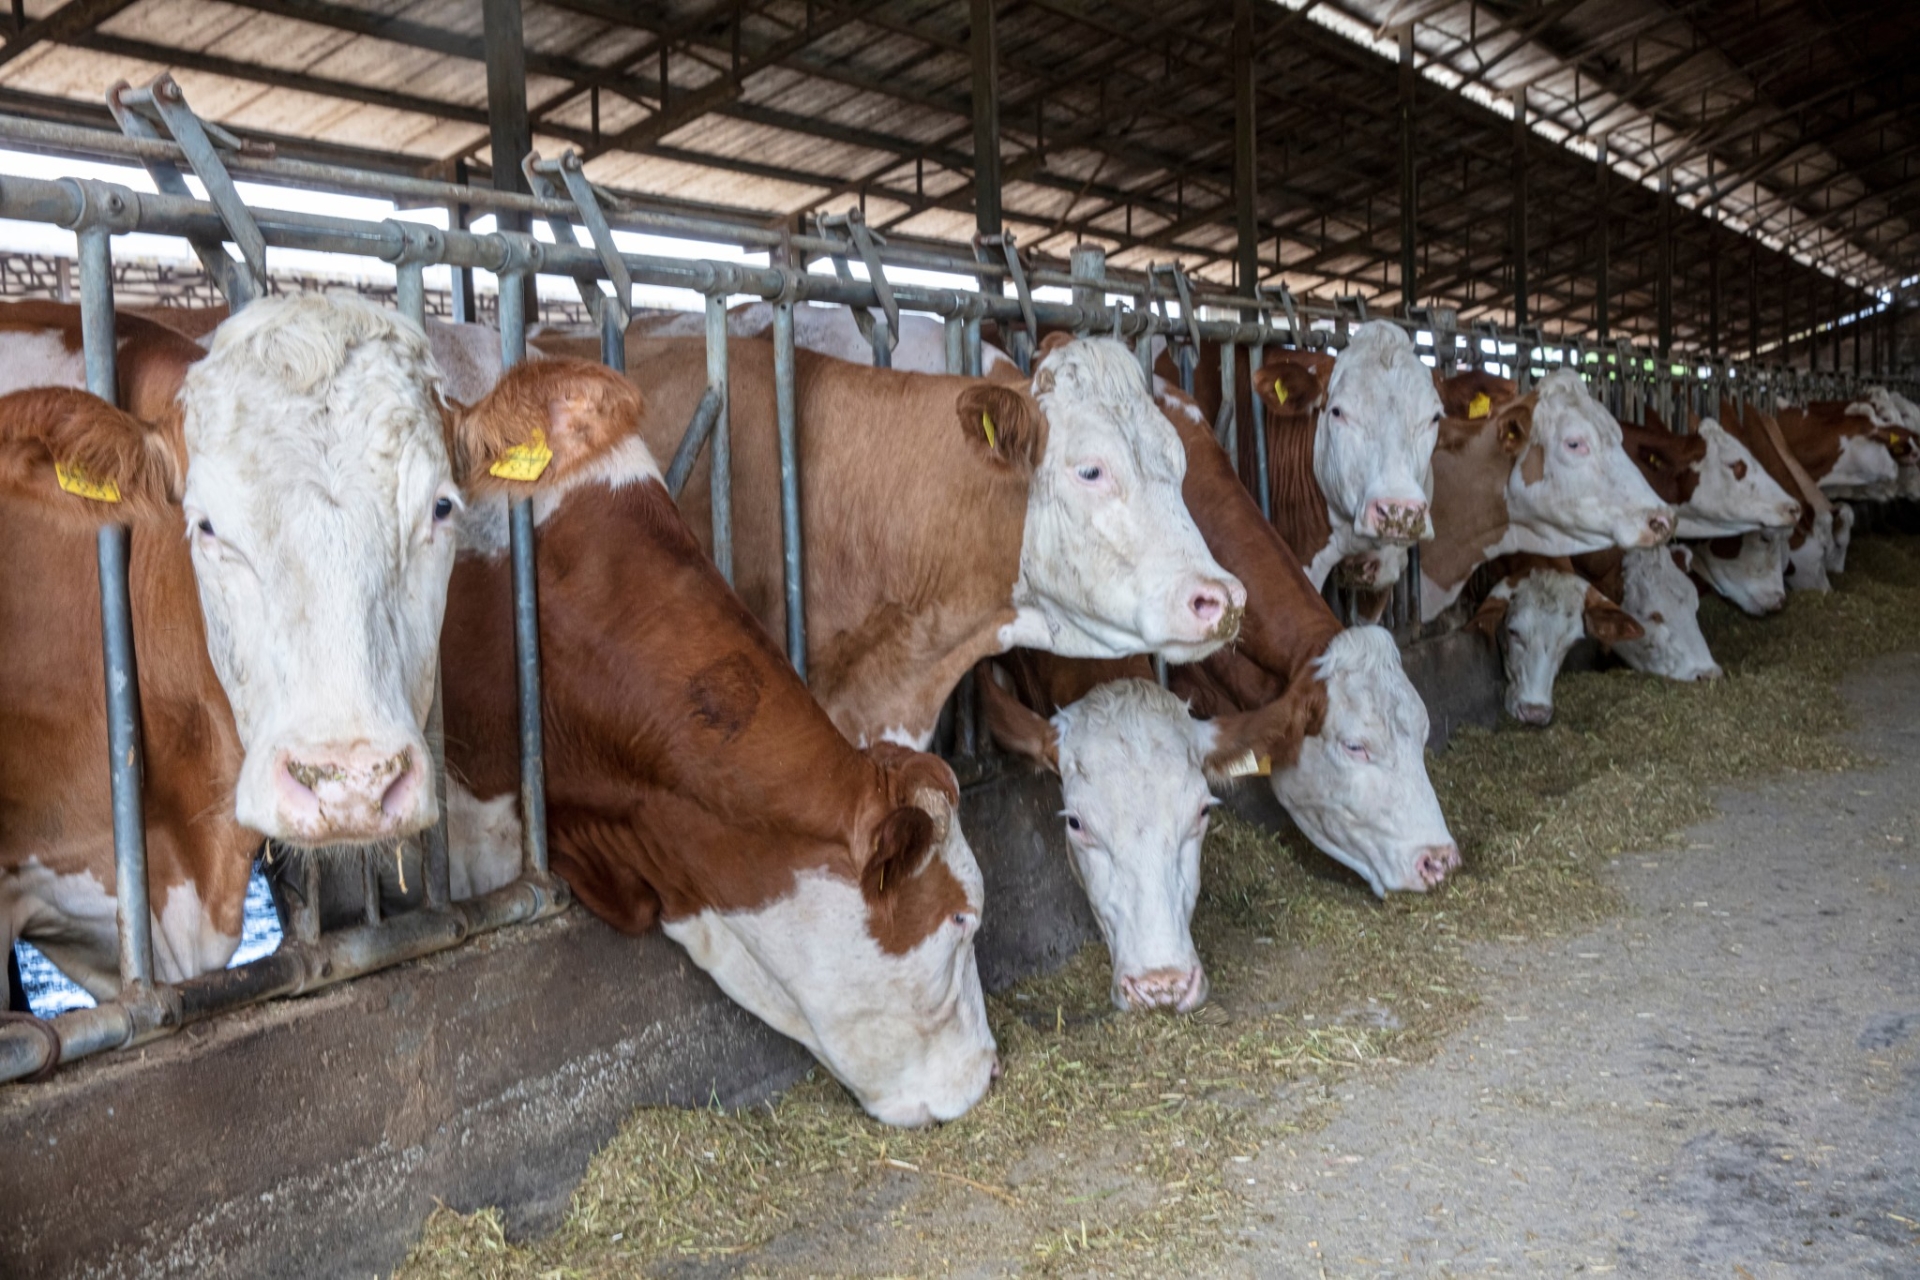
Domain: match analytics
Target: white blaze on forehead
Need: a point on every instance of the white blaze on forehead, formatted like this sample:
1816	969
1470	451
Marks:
906	1033
1546	616
1360	790
316	458
1734	493
1663	599
1136	800
1110	558
1753	579
1376	434
1588	495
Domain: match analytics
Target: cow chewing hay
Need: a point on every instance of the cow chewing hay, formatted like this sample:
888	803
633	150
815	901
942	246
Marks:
1117	1145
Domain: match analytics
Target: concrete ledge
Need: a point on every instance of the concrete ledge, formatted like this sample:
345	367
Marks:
312	1137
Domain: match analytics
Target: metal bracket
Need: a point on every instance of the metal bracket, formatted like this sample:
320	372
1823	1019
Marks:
1354	303
1485	331
199	142
1297	335
1182	290
587	199
1009	247
866	242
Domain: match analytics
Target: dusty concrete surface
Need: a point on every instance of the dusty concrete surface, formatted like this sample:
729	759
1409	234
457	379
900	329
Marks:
1723	1082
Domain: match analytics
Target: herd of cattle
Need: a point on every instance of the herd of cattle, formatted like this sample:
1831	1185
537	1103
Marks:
318	494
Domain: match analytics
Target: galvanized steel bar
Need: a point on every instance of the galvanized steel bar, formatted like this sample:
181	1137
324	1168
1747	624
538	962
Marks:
1263	482
1226	426
786	411
514	284
954	330
693	439
720	473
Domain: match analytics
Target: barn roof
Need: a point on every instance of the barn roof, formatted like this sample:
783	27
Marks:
1786	129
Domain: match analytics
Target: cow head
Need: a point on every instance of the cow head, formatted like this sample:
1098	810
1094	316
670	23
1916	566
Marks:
318	502
1545	613
1110	561
1373	452
1865	463
1810	552
1131	763
1663	600
1733	492
1359	789
1573	488
1750	570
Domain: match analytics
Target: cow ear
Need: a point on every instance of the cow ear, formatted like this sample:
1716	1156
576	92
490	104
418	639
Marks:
1608	623
543	421
1682	557
1255	743
1285	385
1018	729
80	457
1005	423
1650	457
1514	422
1488	617
900	845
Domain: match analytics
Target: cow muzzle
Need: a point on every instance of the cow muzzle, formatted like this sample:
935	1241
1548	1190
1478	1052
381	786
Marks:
1174	989
1658	529
1435	862
1394	520
1538	714
351	794
1209	610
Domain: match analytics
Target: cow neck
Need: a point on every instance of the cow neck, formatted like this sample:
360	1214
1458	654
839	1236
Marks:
1817	434
1287	625
53	775
1470	472
1676	474
1300	512
687	766
1764	439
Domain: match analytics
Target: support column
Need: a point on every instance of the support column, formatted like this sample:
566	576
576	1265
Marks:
1663	283
1245	170
1517	247
511	132
1409	192
1753	301
1602	281
458	216
1713	294
986	118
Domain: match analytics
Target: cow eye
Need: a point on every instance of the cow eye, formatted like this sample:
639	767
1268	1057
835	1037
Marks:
1073	823
1090	473
442	508
1357	751
1577	447
1338	412
205	527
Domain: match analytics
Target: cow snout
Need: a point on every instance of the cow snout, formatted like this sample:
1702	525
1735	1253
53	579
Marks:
1395	519
1434	862
1709	673
344	795
1659	529
1539	714
1789	516
1213	608
1180	990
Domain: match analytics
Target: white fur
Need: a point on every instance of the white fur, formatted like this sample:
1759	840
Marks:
484	525
1808	564
70	918
1136	805
468	357
1725	503
1546	615
1755	579
1107	568
1591	496
483	842
1666	604
39	358
1360	790
315	452
1864	464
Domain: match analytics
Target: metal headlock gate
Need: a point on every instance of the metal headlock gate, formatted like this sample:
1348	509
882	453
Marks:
162	133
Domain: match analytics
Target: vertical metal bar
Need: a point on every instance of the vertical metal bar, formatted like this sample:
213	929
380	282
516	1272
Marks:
1186	359
1519	229
1263	483
1603	233
973	351
458	215
1087	262
1246	172
510	129
986	116
613	338
954	330
1227	426
410	292
784	395
113	555
1409	198
882	344
720	460
514	289
1663	276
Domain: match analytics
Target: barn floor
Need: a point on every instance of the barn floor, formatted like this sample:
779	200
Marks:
1579	1057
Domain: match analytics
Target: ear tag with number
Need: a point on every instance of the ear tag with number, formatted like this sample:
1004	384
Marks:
524	462
77	482
1480	406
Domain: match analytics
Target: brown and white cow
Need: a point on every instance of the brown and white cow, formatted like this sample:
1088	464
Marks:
693	781
946	519
1546	473
1756	571
291	549
1535	614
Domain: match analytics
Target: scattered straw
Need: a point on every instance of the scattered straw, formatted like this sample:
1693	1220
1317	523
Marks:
1114	1145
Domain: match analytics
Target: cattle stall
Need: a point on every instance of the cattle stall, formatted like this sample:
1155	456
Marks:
477	1050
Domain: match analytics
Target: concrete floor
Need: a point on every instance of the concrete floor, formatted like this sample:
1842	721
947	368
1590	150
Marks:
1725	1081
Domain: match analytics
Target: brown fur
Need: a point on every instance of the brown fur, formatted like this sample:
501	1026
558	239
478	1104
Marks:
1298	503
1670	463
583	407
1457	392
151	359
1818	432
45	426
1471	463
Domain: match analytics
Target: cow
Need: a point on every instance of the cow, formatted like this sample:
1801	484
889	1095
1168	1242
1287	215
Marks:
1535	614
1350	453
948	519
1546	473
1749	570
1655	589
692	781
1806	551
1845	451
292	538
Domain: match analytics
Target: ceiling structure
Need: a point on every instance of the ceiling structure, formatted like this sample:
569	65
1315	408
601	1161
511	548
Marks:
1787	131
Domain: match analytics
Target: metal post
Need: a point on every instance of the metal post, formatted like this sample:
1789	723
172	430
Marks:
1227	426
1753	301
1663	282
1519	230
1087	262
1602	284
113	555
1409	194
720	478
511	133
986	117
458	216
954	330
514	281
786	411
1246	173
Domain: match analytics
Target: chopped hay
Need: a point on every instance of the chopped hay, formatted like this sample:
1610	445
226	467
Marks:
1108	1147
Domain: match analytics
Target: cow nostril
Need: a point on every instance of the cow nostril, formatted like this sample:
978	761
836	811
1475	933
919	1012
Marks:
997	1069
1207	605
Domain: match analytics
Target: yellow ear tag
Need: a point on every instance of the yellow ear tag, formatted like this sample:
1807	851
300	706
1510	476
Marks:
1251	766
1480	406
1279	391
524	462
78	483
986	425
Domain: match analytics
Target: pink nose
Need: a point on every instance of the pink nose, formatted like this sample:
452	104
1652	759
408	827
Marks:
1395	519
1181	990
1534	713
345	795
1215	606
1659	529
1435	861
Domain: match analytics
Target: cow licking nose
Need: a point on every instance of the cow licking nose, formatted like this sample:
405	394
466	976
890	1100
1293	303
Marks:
339	795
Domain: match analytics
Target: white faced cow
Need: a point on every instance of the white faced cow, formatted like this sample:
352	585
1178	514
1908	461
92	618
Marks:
1546	608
